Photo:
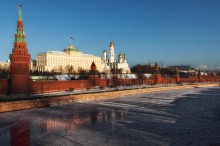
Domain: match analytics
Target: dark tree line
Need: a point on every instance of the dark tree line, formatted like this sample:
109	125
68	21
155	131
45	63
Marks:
4	72
140	70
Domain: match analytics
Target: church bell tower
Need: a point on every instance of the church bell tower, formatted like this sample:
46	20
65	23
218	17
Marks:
112	53
20	61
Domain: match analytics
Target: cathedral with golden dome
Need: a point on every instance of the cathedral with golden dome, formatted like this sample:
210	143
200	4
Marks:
112	65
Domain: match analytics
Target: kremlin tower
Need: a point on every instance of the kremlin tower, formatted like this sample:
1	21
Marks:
20	61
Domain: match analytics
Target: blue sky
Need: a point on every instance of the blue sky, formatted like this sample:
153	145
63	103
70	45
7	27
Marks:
169	31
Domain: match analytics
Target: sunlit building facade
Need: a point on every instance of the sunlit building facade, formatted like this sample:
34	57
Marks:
66	60
111	64
72	60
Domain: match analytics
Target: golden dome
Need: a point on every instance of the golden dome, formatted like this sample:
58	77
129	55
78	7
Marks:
111	44
120	56
70	47
104	51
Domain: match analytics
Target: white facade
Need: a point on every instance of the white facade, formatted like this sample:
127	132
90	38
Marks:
5	64
112	53
62	60
57	60
110	64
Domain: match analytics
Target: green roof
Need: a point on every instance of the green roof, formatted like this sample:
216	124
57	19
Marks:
71	48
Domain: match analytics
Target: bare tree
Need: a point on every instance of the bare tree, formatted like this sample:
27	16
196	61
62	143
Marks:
4	71
83	74
69	69
115	81
60	69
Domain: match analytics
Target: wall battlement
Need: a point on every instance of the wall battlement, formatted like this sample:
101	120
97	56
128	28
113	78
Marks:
48	86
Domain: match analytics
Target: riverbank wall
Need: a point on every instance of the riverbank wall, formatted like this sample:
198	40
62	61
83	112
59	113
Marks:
43	102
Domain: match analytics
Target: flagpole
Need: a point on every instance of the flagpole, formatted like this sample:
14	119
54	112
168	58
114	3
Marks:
71	39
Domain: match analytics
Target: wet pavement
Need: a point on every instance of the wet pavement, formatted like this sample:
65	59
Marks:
168	118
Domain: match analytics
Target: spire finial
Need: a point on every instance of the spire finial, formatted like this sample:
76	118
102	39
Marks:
111	44
19	6
19	12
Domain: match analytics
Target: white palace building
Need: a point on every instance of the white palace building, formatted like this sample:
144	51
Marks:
72	57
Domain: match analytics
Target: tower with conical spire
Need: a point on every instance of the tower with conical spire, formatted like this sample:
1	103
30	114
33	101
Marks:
20	61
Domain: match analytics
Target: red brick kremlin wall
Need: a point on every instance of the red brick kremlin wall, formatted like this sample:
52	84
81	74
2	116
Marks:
46	86
3	86
55	86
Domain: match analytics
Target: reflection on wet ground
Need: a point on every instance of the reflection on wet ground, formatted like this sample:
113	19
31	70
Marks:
25	127
157	119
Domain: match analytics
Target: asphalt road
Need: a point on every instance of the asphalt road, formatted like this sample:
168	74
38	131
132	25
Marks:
188	117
